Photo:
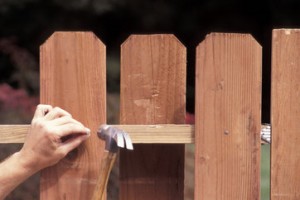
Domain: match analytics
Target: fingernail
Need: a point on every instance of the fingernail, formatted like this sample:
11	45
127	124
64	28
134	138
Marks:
88	131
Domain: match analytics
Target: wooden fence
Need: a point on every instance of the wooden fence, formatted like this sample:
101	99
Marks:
153	88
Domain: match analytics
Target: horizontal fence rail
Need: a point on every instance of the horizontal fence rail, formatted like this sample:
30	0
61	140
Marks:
139	134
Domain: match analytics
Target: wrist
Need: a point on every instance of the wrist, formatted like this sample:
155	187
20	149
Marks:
13	171
25	163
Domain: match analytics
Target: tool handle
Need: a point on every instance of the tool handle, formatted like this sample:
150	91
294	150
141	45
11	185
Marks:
107	163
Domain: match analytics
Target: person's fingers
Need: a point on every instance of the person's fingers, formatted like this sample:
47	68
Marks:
72	143
72	129
41	110
64	120
56	113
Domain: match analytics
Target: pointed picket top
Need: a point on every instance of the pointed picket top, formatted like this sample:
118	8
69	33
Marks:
73	77
153	82
228	117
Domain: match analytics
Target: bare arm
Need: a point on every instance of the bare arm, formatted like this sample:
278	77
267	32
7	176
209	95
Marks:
43	146
12	172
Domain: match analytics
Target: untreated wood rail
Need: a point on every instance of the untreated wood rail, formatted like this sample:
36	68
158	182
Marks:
159	134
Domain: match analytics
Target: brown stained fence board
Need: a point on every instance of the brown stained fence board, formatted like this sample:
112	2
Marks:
153	82
73	77
285	118
228	118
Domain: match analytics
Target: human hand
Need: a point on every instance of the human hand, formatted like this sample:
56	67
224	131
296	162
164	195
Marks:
53	134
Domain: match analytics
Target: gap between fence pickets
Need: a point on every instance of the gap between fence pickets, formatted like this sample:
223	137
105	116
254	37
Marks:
151	134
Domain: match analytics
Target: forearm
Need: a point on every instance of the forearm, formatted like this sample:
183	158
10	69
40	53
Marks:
13	171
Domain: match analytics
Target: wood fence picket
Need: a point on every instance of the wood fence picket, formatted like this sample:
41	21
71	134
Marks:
153	82
72	74
228	118
285	115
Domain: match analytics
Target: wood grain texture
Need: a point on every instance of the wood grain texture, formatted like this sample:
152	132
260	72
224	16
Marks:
72	74
228	118
13	133
160	133
285	115
146	134
153	82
